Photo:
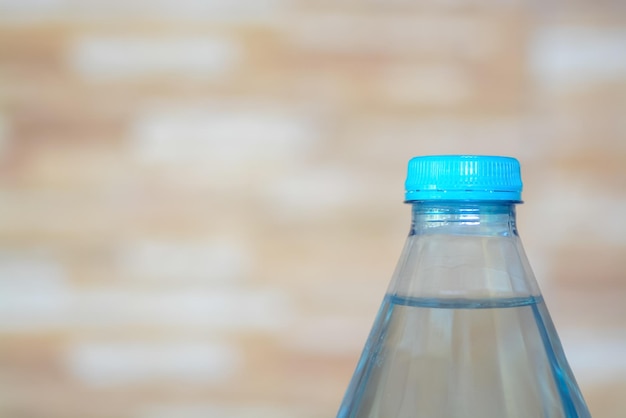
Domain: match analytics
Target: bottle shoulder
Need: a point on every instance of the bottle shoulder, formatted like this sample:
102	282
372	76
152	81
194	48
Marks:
464	266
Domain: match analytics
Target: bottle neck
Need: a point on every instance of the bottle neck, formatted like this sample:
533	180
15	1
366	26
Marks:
465	250
464	218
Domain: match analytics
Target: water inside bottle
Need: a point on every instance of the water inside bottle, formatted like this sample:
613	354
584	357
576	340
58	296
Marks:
463	358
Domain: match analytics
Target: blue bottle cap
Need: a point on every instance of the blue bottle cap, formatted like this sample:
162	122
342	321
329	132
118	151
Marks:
463	177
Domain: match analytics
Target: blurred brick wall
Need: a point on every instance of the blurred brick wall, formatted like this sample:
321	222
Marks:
200	201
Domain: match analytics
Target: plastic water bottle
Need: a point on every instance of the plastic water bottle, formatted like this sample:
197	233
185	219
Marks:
463	331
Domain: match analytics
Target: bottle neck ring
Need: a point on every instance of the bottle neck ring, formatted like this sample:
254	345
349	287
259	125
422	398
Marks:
464	217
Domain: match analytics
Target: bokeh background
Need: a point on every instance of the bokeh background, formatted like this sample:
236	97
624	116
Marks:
201	201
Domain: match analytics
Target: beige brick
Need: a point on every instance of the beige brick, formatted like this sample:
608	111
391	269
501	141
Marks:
74	167
263	310
30	10
567	211
330	336
606	400
596	357
436	35
219	410
313	194
49	303
576	57
59	214
132	362
34	293
498	134
408	6
218	261
4	134
99	58
438	86
230	141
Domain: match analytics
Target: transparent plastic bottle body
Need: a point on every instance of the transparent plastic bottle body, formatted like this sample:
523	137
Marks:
463	331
